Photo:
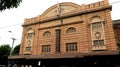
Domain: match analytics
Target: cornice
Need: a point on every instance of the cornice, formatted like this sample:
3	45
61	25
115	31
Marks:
70	14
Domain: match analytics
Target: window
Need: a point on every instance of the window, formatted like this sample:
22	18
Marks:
46	48
29	40
96	26
98	42
29	35
47	33
28	48
97	33
58	40
71	30
71	46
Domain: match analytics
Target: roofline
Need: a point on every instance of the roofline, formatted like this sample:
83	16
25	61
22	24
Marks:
70	14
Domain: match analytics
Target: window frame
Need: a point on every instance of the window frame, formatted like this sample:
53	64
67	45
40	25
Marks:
47	34
71	47
71	30
29	41
46	48
28	48
101	31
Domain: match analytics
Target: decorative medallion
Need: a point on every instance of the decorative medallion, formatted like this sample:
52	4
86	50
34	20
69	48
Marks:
97	35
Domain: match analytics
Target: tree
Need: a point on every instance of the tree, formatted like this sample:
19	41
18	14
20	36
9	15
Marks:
4	53
7	4
16	50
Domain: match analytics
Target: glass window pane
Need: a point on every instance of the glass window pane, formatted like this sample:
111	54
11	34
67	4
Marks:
30	35
47	33
46	48
71	46
71	30
96	26
98	42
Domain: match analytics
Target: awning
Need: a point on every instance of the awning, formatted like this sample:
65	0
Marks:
65	55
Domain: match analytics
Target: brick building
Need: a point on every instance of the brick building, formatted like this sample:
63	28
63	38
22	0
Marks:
68	31
116	26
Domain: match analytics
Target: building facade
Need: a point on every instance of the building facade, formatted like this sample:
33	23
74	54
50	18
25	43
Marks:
116	26
67	30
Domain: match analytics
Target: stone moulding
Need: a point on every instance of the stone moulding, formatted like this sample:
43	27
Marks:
69	14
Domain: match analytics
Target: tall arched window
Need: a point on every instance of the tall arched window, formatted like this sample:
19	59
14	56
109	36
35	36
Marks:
71	30
97	33
29	40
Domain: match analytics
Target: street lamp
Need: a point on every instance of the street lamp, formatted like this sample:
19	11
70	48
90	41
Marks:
12	45
13	40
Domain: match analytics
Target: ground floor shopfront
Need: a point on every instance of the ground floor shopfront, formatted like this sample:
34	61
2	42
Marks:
111	60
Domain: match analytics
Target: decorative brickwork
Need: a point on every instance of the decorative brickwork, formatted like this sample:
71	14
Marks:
67	31
77	24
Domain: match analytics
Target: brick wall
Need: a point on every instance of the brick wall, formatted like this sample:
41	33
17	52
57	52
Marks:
78	18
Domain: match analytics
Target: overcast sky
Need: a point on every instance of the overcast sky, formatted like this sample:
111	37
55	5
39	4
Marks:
11	20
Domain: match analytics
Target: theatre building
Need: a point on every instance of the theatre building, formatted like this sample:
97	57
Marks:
68	35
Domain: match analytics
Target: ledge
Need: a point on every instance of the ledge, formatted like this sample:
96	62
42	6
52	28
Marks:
65	55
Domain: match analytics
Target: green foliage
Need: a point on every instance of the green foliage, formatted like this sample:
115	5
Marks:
4	53
16	50
7	4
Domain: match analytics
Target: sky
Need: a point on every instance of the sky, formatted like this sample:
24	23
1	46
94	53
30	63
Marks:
12	19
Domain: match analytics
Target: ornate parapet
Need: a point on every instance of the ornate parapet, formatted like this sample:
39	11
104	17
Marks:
67	10
31	20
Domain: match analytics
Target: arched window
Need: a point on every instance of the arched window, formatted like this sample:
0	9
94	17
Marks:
97	33
29	40
71	30
47	33
30	34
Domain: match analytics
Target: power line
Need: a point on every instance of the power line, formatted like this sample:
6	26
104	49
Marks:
21	23
10	26
115	2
